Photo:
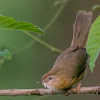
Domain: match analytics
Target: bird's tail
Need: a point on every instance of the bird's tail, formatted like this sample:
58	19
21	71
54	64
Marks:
81	28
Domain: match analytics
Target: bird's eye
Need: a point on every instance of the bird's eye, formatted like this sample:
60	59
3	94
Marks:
50	78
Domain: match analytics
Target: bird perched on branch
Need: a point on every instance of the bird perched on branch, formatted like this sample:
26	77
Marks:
69	68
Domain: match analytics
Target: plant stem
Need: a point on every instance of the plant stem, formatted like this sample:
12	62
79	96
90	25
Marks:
51	22
42	42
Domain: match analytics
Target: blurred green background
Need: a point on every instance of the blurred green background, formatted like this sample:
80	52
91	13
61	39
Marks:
30	62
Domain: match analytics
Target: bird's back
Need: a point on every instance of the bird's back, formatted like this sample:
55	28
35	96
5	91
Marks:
72	64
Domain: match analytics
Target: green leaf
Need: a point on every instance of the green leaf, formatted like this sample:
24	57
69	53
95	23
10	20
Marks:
10	23
5	53
93	43
95	7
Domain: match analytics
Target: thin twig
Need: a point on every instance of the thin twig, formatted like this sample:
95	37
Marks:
51	22
41	92
43	43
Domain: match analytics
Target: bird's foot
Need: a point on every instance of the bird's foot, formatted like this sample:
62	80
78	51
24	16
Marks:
78	88
12	94
68	92
98	91
52	93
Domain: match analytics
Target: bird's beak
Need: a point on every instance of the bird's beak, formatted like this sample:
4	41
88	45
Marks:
39	81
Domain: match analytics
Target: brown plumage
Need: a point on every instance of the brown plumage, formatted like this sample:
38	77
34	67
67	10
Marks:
70	66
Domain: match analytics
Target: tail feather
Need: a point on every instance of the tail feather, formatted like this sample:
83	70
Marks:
81	28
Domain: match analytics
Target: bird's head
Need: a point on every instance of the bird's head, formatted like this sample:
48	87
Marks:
51	80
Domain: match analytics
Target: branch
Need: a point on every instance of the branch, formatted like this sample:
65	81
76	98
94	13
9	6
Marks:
27	92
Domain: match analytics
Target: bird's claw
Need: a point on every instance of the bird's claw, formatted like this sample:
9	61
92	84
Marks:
12	94
98	91
68	93
52	93
78	88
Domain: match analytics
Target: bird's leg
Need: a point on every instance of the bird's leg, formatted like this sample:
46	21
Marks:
52	93
68	92
78	88
12	94
98	91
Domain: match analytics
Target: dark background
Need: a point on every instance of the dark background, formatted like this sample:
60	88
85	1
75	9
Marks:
30	62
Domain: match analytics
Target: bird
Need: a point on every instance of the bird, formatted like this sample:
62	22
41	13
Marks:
70	66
